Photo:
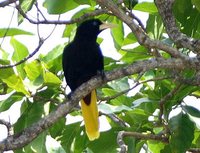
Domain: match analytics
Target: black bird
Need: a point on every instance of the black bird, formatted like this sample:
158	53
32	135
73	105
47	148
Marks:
82	59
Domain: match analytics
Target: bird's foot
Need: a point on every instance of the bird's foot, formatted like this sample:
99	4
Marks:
102	74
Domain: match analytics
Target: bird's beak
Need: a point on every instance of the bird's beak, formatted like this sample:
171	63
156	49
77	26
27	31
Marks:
107	25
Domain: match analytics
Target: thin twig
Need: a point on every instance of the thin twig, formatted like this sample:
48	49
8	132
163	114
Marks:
75	20
26	58
8	126
115	119
7	29
137	135
165	99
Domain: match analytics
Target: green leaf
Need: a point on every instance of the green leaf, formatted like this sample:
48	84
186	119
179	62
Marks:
197	4
120	85
20	52
155	146
38	144
109	109
31	112
155	27
53	59
138	53
33	69
7	103
182	133
191	111
70	132
26	6
146	7
105	143
129	39
69	30
13	32
57	128
59	7
51	79
118	33
16	83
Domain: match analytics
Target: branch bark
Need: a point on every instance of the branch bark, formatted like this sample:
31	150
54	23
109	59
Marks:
180	39
140	34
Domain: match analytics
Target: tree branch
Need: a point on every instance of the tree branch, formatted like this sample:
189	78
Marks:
26	58
137	135
29	134
75	20
180	39
140	34
7	2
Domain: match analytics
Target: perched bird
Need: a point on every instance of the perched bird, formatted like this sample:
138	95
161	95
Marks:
82	59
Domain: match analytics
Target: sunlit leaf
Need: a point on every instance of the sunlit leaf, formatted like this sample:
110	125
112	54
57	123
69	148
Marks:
146	7
20	52
59	7
16	83
12	32
7	103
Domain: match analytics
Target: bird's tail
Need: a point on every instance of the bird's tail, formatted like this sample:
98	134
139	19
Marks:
90	116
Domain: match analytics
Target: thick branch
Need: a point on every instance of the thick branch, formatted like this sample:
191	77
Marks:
7	2
30	133
180	39
143	39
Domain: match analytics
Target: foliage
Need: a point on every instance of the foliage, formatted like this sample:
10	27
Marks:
38	85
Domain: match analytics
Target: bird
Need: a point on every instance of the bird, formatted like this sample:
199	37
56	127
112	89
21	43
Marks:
83	59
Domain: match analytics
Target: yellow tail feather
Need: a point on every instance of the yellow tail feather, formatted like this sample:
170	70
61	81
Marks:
90	117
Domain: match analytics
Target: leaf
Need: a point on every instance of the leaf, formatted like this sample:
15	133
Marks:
191	111
70	132
59	7
31	112
182	133
33	69
69	30
120	85
146	7
51	79
38	144
8	102
197	4
53	59
16	83
109	109
20	52
139	101
129	39
26	6
105	143
155	146
118	33
13	32
138	53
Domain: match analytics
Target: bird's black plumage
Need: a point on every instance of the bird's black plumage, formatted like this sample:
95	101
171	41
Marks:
82	58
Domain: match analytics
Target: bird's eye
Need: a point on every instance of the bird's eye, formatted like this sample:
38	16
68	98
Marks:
95	23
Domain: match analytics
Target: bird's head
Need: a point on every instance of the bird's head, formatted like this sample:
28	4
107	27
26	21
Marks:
89	29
